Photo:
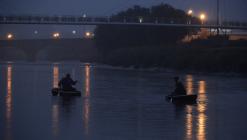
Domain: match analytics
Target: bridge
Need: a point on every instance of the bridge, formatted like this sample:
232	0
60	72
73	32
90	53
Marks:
47	49
140	21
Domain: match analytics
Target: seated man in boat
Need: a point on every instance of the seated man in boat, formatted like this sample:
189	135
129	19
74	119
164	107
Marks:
179	87
67	83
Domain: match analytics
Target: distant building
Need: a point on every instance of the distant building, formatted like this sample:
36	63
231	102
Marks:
206	33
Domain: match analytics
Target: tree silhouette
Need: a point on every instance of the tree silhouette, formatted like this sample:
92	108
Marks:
110	37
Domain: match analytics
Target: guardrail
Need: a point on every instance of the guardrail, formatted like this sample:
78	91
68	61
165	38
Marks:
17	19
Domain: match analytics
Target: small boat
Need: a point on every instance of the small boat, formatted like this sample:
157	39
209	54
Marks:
60	92
182	98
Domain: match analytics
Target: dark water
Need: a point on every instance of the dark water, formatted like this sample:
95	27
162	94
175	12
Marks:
117	105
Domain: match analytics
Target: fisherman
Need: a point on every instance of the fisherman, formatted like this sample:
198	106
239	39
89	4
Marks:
179	87
67	83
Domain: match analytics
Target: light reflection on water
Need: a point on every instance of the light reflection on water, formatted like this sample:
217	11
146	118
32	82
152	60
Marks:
55	106
9	103
115	104
201	107
55	120
87	80
86	100
55	75
189	84
189	122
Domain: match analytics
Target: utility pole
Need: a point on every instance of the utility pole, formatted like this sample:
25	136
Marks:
218	16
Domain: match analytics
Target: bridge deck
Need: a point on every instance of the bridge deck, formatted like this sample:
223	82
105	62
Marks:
71	20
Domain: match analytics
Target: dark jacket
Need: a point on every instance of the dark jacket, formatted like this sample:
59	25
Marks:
180	90
67	83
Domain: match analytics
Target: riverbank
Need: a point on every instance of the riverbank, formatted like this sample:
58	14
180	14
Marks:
202	59
183	57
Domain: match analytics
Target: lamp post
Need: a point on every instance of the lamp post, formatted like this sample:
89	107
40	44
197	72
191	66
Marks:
218	16
140	19
10	36
88	34
56	35
202	18
190	14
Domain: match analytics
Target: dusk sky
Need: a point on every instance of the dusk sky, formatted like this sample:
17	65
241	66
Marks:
230	9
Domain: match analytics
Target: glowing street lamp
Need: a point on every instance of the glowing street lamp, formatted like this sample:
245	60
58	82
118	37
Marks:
88	34
190	12
202	17
56	35
140	19
10	36
74	32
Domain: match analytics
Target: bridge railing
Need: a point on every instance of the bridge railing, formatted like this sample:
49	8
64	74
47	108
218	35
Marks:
90	19
14	18
231	23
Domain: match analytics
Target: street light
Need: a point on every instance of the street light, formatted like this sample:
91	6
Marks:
140	19
10	36
88	34
202	17
190	12
56	35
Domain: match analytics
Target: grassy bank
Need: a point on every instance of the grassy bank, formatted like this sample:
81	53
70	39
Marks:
225	59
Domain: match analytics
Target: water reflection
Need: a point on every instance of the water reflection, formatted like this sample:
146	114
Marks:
87	80
196	114
55	120
201	108
79	113
189	84
9	102
86	112
189	122
62	107
55	106
202	87
189	116
86	104
55	76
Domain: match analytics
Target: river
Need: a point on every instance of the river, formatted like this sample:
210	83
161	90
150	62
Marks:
117	104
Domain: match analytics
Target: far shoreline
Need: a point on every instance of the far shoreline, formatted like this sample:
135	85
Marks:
192	57
130	68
